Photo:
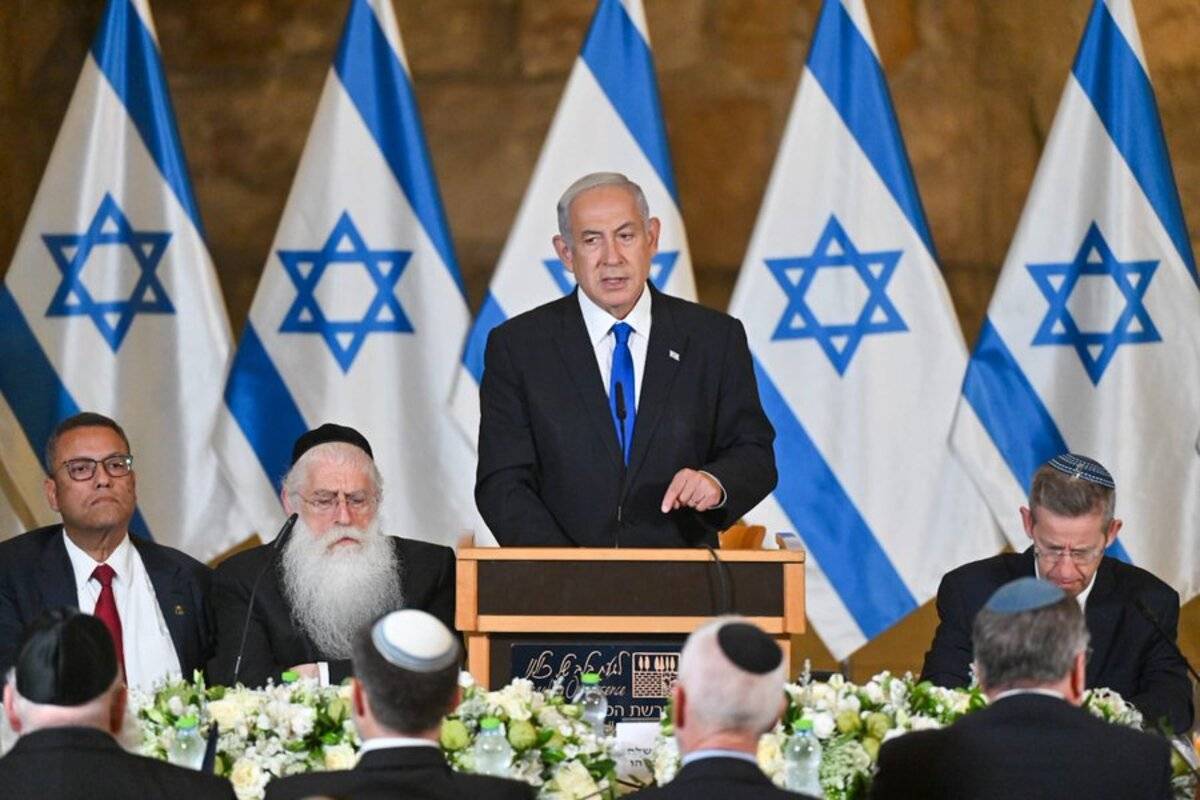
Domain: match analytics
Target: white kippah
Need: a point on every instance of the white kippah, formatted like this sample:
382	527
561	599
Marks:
415	640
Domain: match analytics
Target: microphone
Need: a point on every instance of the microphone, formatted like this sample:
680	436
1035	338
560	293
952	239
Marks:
1153	620
276	548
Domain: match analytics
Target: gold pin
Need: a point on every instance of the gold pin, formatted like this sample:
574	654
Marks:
180	611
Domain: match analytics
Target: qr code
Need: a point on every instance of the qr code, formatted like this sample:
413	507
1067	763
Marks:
654	674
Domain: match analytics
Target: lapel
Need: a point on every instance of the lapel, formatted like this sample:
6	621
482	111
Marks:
657	378
171	593
56	579
1103	612
579	359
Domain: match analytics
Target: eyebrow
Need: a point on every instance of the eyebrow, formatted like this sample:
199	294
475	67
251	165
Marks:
597	231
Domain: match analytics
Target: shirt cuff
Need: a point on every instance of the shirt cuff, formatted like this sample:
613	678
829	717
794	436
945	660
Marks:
323	672
724	496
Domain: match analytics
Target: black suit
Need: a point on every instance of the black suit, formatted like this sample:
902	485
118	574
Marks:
1128	655
398	772
719	779
36	574
274	642
87	764
1028	746
550	466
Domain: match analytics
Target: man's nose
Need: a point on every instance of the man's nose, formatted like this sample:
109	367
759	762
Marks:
343	510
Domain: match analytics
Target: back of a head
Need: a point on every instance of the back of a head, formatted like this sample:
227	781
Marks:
408	664
1027	635
733	675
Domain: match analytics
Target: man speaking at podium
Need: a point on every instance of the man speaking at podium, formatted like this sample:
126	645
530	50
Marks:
618	416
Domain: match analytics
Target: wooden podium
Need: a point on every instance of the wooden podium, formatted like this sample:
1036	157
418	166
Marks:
514	594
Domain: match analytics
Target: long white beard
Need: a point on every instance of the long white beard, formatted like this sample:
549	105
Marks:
335	593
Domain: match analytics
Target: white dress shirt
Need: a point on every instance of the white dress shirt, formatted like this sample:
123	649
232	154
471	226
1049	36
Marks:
599	327
388	742
149	651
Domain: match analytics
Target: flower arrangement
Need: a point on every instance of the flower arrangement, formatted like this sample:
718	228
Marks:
553	748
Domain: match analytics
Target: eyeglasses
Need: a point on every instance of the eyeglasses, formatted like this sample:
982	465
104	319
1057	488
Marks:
82	469
327	502
1080	556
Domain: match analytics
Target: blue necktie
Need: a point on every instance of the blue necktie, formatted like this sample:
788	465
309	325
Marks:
621	390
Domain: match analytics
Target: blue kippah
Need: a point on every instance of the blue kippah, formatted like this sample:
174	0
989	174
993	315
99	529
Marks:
1024	594
1084	468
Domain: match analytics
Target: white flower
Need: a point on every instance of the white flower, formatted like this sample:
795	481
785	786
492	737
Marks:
303	720
249	781
226	713
849	703
821	695
514	700
874	692
340	756
573	781
919	722
770	754
664	758
465	679
823	724
550	717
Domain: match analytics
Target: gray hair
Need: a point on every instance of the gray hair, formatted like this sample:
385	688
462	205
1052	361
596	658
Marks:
591	181
1070	496
330	452
1028	648
727	698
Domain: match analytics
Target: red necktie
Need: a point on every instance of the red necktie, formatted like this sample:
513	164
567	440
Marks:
106	609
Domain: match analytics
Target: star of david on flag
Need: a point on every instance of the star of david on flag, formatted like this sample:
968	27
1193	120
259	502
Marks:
1058	282
801	320
383	314
661	267
71	252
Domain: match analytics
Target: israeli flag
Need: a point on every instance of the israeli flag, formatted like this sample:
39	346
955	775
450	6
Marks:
111	303
361	311
1092	338
609	120
857	351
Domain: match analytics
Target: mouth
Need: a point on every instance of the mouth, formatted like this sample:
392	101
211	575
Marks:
345	541
614	283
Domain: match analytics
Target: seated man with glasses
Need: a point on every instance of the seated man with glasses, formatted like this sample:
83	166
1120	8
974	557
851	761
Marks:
151	597
336	573
1070	521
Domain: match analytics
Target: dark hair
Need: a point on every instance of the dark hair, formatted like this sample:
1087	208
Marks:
1028	648
84	419
1069	495
405	701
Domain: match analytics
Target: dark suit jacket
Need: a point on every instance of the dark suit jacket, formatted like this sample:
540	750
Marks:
399	773
35	574
1028	746
274	643
719	779
1128	655
550	467
87	764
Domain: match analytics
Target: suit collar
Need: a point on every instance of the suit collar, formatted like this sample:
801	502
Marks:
735	769
579	360
403	757
66	737
56	579
664	355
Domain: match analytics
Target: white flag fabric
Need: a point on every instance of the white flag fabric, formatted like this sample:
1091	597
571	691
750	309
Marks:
609	120
1092	338
111	303
361	312
858	354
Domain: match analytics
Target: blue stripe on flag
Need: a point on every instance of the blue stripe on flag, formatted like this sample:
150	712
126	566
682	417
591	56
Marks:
830	525
31	387
1012	413
490	315
380	89
263	407
843	63
128	56
1112	77
621	61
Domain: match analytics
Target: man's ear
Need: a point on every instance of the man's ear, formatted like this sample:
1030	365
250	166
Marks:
679	709
10	708
358	698
653	229
1027	521
564	252
1078	678
116	712
1110	535
51	490
286	499
455	699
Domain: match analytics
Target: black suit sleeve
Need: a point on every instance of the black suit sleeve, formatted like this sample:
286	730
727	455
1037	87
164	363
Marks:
10	624
948	661
230	597
1164	690
744	460
506	484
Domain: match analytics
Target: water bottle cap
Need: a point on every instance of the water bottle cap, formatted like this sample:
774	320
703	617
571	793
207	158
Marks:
290	676
590	678
804	725
188	721
489	724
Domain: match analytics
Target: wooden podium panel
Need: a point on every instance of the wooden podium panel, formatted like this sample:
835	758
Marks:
514	595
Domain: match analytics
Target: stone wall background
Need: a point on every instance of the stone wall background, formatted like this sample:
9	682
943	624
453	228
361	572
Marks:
975	84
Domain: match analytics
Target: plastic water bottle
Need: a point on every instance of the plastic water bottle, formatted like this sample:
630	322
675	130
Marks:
493	753
188	748
802	761
593	705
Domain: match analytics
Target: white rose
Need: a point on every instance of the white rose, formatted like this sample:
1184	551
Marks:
874	692
849	703
821	695
303	720
340	756
823	724
225	713
920	722
770	754
248	780
465	679
550	717
574	781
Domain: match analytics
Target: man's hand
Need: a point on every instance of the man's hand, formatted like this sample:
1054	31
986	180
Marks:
692	489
